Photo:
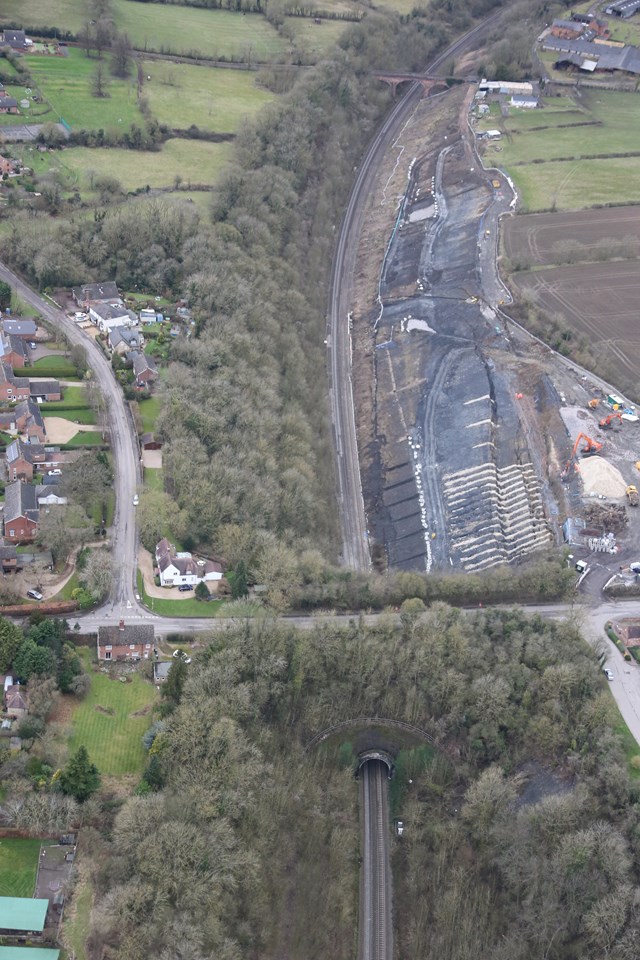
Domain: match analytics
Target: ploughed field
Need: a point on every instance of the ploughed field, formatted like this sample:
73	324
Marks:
596	298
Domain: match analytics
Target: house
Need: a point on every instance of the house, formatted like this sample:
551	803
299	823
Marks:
144	369
13	350
22	458
29	421
106	316
177	569
149	441
20	327
15	701
126	642
47	497
21	512
16	39
123	339
566	29
12	388
96	293
8	105
9	559
22	915
524	102
9	167
161	670
45	391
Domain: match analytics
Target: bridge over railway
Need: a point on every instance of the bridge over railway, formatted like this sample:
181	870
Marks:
426	81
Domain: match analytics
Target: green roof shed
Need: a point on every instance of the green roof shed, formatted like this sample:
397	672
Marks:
29	953
22	914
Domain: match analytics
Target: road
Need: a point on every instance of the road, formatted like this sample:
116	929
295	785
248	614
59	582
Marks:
123	444
355	549
376	941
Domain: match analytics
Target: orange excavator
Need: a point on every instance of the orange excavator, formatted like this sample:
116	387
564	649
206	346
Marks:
606	422
590	447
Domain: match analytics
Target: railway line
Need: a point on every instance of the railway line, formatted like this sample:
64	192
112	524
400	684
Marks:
355	537
376	942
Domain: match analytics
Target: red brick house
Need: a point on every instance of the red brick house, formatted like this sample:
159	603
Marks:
12	388
566	29
8	105
28	420
22	458
9	559
145	369
13	351
21	512
133	641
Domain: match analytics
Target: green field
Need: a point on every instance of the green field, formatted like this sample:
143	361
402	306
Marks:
181	95
65	83
149	410
84	438
193	160
587	174
314	39
153	479
18	866
113	738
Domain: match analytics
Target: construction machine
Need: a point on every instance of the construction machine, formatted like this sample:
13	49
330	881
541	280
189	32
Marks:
593	403
606	422
590	447
632	495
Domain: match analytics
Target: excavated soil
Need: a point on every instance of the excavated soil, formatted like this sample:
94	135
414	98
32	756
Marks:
602	478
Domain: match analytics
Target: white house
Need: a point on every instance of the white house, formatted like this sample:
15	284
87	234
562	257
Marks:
47	497
177	569
106	316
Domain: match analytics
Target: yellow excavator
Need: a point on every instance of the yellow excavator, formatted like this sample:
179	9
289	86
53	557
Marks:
632	495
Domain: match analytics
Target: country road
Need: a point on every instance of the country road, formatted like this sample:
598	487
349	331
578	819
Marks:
355	538
122	433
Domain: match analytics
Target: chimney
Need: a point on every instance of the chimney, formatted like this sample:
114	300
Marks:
121	625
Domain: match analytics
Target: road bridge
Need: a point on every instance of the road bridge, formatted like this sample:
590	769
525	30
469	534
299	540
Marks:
426	81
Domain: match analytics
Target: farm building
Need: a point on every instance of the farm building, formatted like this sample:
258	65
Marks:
506	87
606	56
567	29
624	9
527	103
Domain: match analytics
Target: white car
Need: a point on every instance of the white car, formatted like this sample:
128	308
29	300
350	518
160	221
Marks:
54	473
136	499
608	673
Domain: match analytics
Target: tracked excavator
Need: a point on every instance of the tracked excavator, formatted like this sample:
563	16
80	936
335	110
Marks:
607	422
590	447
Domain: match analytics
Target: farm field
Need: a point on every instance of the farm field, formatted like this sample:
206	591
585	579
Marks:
312	39
110	723
65	82
213	99
167	28
18	866
193	160
537	238
553	162
596	300
67	14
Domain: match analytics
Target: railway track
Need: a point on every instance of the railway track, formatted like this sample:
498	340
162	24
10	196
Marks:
355	538
375	935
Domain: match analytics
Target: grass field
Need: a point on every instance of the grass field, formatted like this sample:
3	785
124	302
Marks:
84	438
149	410
65	82
314	39
195	161
153	479
180	95
18	866
56	366
587	175
113	738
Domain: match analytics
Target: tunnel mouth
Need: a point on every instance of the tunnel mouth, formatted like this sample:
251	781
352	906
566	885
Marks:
375	754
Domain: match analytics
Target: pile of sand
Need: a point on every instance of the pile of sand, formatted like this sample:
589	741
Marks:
599	476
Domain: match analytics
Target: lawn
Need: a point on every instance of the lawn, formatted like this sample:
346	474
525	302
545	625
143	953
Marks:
316	39
192	160
77	919
110	722
149	410
181	95
18	866
57	366
587	174
153	479
84	438
66	14
65	83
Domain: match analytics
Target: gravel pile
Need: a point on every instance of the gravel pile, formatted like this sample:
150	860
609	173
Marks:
599	476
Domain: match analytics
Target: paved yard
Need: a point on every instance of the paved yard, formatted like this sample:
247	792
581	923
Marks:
152	459
60	430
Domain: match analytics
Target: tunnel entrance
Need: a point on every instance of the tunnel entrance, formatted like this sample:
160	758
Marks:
374	754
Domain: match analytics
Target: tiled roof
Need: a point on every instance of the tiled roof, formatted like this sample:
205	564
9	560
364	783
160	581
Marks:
131	633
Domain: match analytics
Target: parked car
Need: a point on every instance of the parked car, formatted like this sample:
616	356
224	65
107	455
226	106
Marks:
34	594
34	346
54	473
184	587
608	673
136	499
